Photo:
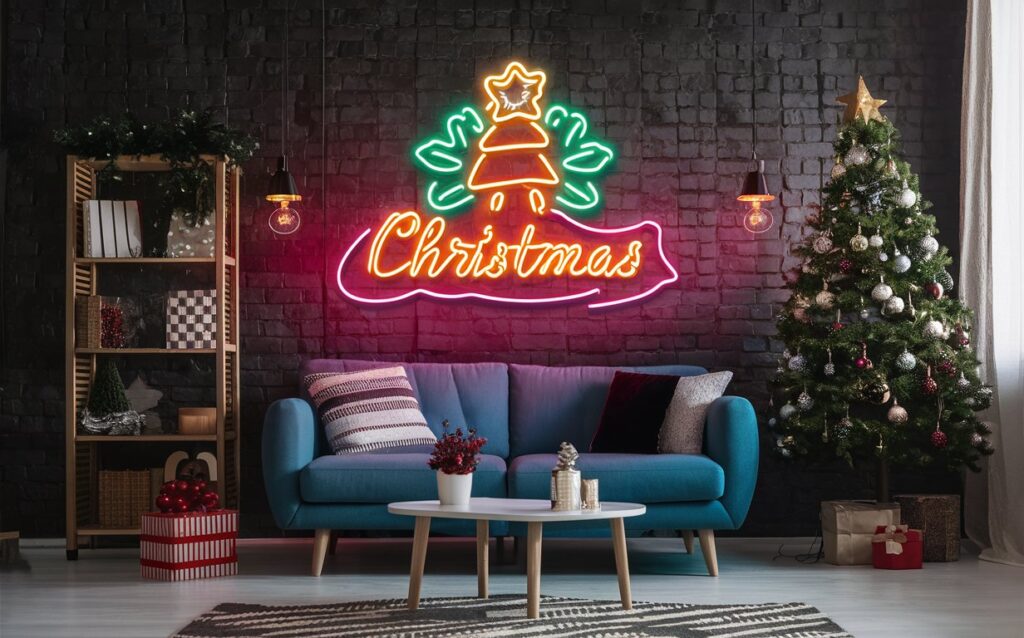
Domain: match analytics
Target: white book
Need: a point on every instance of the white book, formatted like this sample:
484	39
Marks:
112	228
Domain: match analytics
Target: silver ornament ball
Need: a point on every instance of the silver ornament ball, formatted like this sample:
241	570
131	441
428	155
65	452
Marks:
875	241
976	439
856	156
883	257
881	292
908	198
830	369
963	383
933	329
858	242
804	401
787	411
838	171
797	363
906	361
897	415
893	305
901	264
844	427
928	244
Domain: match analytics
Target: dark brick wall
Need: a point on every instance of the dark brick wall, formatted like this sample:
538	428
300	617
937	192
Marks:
667	82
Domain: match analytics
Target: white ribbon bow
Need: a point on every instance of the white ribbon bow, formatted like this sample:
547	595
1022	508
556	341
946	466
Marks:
893	537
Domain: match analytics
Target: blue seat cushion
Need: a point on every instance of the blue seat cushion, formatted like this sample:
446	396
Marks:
387	477
643	478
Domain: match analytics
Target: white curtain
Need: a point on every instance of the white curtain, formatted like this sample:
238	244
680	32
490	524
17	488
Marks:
992	262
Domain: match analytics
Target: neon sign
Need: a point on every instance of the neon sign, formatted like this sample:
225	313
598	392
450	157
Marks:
495	231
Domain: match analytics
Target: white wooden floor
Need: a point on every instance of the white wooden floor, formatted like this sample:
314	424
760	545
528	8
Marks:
102	595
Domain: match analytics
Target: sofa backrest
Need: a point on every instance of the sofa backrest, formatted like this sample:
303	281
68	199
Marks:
548	405
474	394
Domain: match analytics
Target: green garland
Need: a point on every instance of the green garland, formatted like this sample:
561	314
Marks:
180	141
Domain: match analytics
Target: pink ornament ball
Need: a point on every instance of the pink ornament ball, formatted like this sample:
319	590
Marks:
939	439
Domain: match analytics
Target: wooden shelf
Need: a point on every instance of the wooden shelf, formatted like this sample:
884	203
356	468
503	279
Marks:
230	261
230	347
145	438
87	455
109	531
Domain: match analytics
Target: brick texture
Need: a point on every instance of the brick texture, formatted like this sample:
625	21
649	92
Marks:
666	81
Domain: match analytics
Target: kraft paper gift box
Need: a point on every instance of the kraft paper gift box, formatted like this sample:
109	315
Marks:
847	528
189	546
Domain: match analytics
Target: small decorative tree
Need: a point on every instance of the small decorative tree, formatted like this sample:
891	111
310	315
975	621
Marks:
107	395
878	365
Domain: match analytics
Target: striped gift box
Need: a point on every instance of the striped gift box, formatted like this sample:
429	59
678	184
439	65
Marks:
189	546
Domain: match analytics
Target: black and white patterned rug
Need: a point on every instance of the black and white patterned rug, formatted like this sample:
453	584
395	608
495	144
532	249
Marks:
506	616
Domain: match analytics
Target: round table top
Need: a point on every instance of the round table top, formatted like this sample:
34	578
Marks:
518	510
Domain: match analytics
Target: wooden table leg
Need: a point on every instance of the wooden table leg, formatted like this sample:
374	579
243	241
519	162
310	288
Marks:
534	535
419	558
481	558
621	561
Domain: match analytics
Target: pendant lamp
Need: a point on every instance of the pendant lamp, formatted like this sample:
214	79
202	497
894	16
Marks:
284	220
755	193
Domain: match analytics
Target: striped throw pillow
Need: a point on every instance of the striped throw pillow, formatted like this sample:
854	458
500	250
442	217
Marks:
368	410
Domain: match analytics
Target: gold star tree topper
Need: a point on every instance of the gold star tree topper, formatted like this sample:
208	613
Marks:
861	104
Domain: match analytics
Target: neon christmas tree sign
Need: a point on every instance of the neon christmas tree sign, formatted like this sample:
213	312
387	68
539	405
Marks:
508	193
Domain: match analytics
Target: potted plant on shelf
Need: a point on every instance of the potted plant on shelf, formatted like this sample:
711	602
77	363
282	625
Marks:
455	458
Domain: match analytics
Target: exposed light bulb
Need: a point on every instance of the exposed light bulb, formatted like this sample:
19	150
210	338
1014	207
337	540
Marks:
757	219
285	219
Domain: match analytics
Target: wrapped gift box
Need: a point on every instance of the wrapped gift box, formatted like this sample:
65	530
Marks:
896	547
938	518
848	526
189	546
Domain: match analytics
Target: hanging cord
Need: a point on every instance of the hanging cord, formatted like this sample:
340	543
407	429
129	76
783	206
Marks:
323	166
284	79
753	81
188	56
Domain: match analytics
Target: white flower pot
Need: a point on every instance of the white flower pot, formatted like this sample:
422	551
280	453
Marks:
454	489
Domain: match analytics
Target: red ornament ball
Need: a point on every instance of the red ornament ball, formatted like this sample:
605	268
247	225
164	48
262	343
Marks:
963	341
863	363
170	487
164	503
181	487
929	386
836	326
934	289
947	368
939	439
181	504
845	265
210	500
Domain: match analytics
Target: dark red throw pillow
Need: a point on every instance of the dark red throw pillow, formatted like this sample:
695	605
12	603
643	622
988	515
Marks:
633	413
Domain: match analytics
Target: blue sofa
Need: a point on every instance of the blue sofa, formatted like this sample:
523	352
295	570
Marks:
525	411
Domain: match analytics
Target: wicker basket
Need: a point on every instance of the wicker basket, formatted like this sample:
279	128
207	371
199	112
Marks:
88	321
124	497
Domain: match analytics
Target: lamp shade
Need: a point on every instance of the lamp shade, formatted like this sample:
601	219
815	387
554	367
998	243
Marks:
282	184
755	186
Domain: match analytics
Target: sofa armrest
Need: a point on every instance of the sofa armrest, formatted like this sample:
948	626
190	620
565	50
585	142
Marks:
730	439
289	435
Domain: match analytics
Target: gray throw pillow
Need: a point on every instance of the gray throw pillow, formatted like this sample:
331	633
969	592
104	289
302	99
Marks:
682	431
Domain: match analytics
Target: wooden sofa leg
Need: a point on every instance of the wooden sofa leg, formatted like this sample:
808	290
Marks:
688	540
707	547
320	542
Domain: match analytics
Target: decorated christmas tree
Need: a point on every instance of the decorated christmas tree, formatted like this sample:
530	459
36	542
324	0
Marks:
107	395
878	367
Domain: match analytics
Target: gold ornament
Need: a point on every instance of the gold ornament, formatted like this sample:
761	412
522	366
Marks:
861	104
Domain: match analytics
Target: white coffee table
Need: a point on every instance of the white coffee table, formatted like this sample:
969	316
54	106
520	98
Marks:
533	512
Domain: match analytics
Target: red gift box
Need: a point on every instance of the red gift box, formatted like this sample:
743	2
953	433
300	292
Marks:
190	545
896	547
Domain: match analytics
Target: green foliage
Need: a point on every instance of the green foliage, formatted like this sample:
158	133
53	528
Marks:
583	159
445	158
865	199
106	396
180	141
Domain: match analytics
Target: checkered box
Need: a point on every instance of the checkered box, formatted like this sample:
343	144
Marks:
192	319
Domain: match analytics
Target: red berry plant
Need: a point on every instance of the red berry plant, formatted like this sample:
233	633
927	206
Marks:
455	452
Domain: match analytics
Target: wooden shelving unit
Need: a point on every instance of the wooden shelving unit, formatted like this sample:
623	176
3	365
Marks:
83	458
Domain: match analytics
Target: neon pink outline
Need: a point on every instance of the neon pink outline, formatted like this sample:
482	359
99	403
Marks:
514	300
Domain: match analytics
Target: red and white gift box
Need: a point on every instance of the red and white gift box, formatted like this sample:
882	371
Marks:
189	546
896	547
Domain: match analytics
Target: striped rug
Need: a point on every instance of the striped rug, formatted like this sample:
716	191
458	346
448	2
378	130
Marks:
506	616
